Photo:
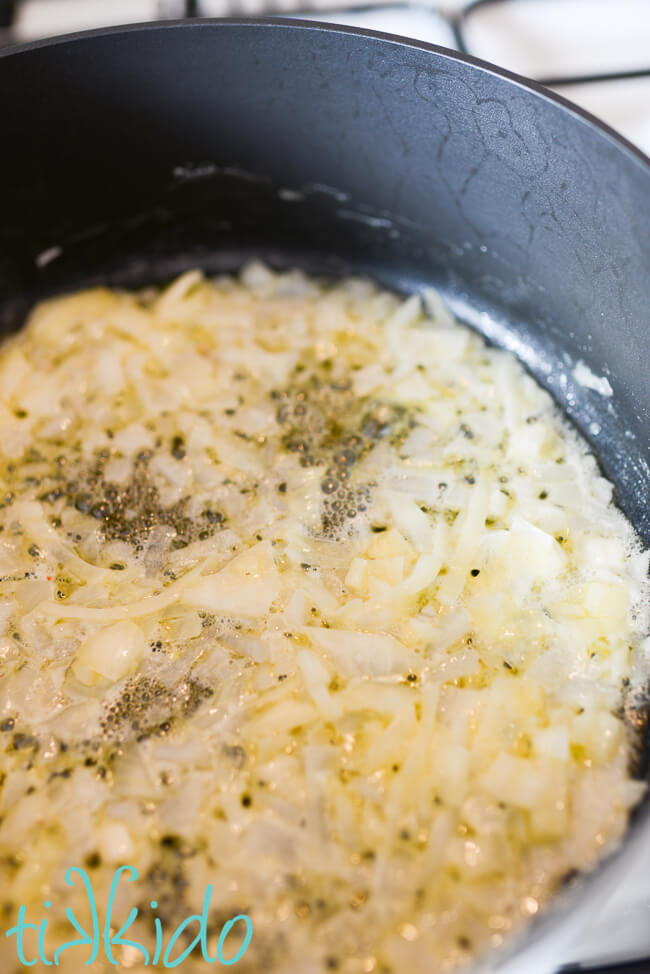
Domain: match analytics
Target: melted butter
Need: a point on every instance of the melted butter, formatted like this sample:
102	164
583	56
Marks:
377	618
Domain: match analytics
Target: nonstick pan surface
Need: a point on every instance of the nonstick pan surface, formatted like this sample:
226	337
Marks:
131	154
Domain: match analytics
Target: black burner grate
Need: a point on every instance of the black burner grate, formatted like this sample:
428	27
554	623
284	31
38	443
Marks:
459	24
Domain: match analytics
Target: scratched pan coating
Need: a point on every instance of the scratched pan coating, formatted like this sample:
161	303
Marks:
131	154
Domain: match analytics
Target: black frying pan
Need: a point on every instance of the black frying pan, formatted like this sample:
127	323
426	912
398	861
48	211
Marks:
131	154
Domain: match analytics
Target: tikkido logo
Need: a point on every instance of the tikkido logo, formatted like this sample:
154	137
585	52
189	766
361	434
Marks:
107	939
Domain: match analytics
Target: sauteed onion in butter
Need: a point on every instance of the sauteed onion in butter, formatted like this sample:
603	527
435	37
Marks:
308	594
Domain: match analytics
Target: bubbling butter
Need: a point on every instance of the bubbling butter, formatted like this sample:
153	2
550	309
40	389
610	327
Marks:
309	595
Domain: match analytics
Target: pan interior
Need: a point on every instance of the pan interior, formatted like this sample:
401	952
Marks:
132	257
151	248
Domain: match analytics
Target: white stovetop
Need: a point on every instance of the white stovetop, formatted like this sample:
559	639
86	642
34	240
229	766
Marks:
539	38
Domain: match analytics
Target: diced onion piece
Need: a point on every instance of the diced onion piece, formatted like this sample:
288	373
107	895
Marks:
411	520
598	732
316	679
114	842
552	742
370	654
248	585
110	653
516	781
467	537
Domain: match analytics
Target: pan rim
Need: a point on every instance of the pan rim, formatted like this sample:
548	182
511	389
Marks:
605	130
